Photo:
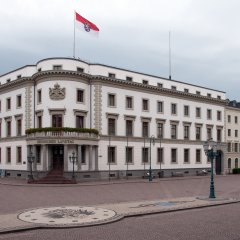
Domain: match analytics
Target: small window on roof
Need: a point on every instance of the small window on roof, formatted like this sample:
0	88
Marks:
209	95
57	67
39	70
111	75
160	85
19	76
198	93
186	90
8	80
218	97
129	79
145	82
79	69
174	88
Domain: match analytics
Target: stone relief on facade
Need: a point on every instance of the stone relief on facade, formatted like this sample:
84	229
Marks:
57	93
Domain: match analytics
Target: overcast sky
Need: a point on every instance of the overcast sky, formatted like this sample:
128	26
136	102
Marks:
205	37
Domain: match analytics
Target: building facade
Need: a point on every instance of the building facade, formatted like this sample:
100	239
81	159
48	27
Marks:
232	135
117	122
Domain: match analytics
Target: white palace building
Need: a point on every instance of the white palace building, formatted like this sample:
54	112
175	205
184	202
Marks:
118	122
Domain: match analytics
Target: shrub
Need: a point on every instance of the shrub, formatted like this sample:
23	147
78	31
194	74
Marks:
236	171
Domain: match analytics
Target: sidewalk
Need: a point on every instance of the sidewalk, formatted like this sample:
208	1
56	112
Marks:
80	216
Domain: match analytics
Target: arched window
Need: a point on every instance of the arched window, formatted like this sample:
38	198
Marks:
236	162
229	163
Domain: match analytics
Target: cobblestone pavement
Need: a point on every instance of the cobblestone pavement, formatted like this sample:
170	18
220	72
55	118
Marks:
16	196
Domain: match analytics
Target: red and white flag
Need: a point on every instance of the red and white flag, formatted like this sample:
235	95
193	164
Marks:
85	24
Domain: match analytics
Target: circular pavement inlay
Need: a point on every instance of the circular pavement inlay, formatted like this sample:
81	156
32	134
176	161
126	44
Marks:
67	215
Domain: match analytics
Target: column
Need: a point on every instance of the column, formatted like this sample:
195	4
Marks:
79	160
90	158
96	158
65	158
34	152
44	157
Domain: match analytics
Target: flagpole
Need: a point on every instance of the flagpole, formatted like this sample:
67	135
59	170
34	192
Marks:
170	77
74	33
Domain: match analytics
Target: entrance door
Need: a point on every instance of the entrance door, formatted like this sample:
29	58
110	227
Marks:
219	162
57	157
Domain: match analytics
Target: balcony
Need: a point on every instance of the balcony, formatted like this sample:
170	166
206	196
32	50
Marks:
62	133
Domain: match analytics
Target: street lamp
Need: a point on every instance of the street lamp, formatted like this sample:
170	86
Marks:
73	160
152	141
109	152
160	152
31	160
210	148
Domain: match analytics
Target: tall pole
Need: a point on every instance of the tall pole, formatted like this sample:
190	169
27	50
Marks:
212	189
170	77
160	152
127	156
109	145
144	156
74	22
150	167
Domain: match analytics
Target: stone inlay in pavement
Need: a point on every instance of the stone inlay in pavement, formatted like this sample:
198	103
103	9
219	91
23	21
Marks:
67	215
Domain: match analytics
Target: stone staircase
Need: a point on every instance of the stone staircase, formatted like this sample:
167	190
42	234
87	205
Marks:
55	176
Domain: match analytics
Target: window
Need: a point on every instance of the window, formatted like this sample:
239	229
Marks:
39	121
236	119
145	126
129	127
186	111
198	155
174	155
145	155
19	101
129	102
229	118
19	155
198	133
57	67
57	120
79	69
229	147
39	70
173	131
159	85
83	154
39	96
219	115
111	126
209	95
235	147
8	155
145	104
129	154
236	162
186	90
111	100
19	127
174	108
236	133
38	154
145	82
209	133
198	112
218	97
174	88
159	107
219	135
111	155
79	121
8	80
160	155
111	75
209	114
19	76
8	104
186	155
186	132
129	79
229	132
9	128
160	130
198	93
80	95
229	163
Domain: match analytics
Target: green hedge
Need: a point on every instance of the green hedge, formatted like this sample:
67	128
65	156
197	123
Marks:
63	129
236	171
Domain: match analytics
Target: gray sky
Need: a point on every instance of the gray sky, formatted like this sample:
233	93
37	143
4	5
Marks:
133	35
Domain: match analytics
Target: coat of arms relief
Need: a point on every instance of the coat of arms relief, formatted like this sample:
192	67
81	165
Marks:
57	93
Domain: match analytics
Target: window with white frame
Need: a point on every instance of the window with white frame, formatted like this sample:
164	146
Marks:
159	106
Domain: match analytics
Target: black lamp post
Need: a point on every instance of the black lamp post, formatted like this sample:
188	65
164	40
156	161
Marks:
73	160
31	160
109	153
152	141
210	149
160	152
127	157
